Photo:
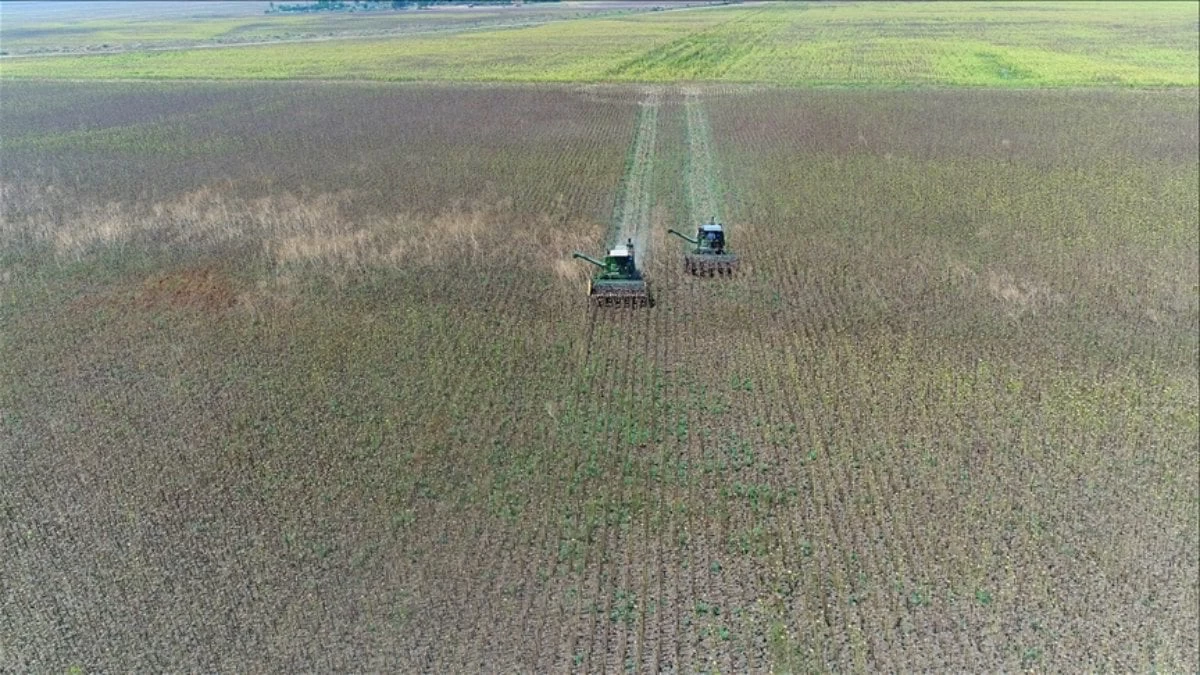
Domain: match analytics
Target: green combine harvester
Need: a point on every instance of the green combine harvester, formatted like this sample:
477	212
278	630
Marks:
710	256
618	282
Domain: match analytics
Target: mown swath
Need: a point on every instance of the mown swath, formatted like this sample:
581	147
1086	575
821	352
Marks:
619	281
709	257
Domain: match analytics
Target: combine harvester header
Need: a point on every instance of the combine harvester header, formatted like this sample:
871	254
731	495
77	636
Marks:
619	282
710	256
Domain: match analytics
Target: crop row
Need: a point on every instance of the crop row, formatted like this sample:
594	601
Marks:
912	432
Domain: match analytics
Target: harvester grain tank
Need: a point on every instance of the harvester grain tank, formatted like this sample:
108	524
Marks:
709	256
619	282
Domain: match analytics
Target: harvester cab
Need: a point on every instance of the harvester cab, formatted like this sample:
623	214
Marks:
709	256
618	282
712	238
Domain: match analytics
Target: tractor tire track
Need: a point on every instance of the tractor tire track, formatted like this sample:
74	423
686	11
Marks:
632	212
589	638
603	585
635	198
703	191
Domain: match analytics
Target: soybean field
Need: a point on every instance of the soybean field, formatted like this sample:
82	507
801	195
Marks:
301	376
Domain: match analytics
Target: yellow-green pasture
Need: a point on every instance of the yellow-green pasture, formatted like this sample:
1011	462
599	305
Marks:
877	44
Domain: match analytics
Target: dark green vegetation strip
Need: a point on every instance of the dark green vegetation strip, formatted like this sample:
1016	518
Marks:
1018	45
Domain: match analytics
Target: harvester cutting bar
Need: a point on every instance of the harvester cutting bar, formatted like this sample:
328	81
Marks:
621	300
619	282
710	265
709	257
623	293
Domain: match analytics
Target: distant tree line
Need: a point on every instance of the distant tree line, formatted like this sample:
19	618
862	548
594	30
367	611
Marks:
369	5
406	4
325	6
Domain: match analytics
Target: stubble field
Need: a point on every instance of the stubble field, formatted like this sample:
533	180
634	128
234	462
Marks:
301	377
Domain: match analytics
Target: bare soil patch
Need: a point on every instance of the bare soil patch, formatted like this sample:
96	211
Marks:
205	289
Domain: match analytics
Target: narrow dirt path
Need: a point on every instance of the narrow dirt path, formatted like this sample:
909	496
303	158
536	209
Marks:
703	193
632	214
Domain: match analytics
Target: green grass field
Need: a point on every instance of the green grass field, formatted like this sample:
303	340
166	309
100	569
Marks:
877	44
22	35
